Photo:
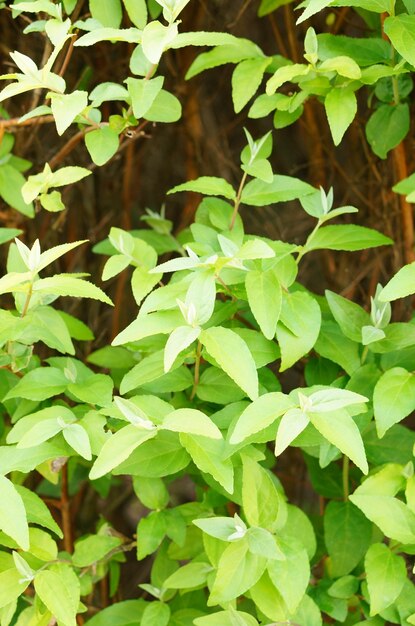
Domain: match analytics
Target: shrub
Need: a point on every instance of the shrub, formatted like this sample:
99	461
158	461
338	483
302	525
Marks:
190	392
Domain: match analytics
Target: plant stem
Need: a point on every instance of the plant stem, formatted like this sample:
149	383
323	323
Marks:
27	301
197	370
304	250
66	511
238	201
364	354
345	475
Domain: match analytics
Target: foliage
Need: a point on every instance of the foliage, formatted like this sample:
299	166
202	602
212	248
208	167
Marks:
192	388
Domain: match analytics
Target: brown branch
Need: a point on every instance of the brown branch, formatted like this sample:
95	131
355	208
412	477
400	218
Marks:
14	121
66	511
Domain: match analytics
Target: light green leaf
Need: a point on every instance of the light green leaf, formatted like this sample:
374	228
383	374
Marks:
238	570
246	78
341	107
260	498
65	285
233	356
340	430
13	519
265	299
137	12
285	74
290	426
65	108
350	316
102	144
142	282
166	108
203	38
77	437
189	576
89	550
39	384
401	31
11	184
233	53
108	13
180	339
282	189
143	93
394	398
292	575
191	421
131	35
118	448
343	65
149	324
259	415
156	38
209	186
298	327
207	454
37	511
393	517
226	618
401	285
347	237
59	590
386	576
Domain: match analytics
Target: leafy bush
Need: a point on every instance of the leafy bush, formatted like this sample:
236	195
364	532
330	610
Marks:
190	390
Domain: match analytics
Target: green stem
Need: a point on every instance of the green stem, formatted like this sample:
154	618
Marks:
27	301
364	354
345	475
238	201
311	236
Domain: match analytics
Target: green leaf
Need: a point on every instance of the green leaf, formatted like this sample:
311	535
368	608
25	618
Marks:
124	613
90	550
282	189
11	586
350	316
394	398
386	576
347	534
131	35
102	144
180	339
246	78
327	345
13	519
209	186
298	327
259	415
340	430
401	285
118	448
64	285
40	384
204	38
226	618
242	49
152	492
189	576
146	325
65	108
11	183
341	108
191	421
238	570
260	498
166	108
143	93
392	516
156	613
292	575
265	299
7	234
347	237
401	31
364	50
137	12
37	511
268	6
108	13
387	127
156	38
208	455
59	590
233	356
